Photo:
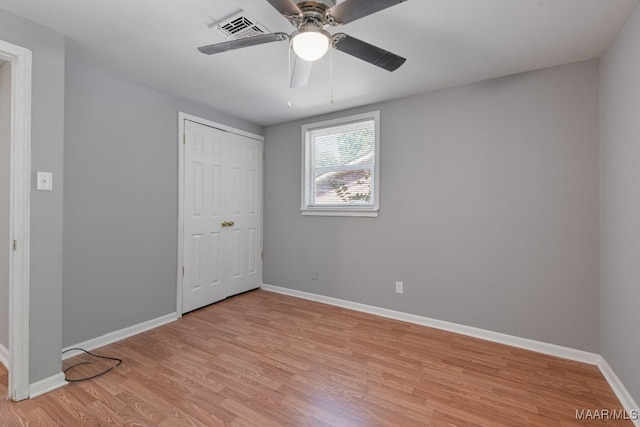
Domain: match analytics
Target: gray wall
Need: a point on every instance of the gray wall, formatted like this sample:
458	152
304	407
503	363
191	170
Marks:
121	202
47	141
5	153
620	204
489	210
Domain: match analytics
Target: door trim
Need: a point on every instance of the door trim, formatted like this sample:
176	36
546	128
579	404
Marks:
182	117
19	218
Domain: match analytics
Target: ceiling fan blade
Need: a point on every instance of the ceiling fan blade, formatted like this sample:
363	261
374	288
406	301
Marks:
285	7
240	43
367	52
300	72
350	10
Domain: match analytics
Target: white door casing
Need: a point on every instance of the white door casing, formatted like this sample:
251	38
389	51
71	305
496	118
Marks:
220	218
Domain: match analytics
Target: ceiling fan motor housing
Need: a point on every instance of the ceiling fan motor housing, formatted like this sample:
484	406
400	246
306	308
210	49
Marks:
314	13
327	3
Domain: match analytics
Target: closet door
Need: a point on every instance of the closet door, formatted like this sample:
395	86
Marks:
222	215
245	212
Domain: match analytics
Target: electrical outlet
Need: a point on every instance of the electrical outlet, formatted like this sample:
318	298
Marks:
399	288
314	274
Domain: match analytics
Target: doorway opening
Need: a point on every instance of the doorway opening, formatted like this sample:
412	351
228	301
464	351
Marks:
5	166
15	187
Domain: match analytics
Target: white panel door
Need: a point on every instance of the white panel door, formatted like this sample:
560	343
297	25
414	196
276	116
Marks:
204	268
245	203
222	215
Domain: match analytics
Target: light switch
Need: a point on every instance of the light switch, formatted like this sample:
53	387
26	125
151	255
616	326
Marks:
45	181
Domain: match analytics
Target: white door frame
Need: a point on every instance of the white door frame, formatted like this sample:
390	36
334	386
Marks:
19	218
181	141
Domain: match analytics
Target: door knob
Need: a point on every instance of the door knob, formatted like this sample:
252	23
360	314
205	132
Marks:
228	223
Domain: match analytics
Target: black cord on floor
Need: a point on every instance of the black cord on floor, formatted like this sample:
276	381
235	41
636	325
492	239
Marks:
115	359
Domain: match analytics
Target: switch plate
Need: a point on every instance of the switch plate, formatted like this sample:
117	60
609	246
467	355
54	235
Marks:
314	274
44	181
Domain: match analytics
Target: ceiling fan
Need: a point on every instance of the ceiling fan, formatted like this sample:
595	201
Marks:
310	41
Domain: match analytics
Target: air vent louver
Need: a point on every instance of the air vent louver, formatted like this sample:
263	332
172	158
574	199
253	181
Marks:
238	26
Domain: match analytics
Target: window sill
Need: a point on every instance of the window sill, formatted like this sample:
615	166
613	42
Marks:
370	213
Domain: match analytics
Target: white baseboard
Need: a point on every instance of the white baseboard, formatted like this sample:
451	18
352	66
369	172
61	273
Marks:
121	334
498	337
4	356
46	385
617	386
55	381
625	398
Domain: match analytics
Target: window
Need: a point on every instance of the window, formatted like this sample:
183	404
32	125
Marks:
340	166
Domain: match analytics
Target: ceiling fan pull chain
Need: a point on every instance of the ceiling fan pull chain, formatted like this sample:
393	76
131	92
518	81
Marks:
331	75
289	76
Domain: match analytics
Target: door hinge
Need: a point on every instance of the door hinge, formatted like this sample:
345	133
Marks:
262	254
263	155
184	138
15	245
182	271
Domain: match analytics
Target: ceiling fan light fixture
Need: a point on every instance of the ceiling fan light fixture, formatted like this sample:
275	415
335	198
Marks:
311	43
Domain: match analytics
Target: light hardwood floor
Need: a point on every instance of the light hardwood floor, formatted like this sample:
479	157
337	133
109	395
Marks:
263	359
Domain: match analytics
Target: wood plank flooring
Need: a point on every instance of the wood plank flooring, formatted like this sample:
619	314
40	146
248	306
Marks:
263	359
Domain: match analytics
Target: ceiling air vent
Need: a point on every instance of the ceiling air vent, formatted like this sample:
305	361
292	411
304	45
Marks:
238	26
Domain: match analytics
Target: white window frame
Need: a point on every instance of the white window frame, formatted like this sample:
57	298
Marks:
307	182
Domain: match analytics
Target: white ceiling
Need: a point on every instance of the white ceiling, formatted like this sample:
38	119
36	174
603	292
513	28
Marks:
446	43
